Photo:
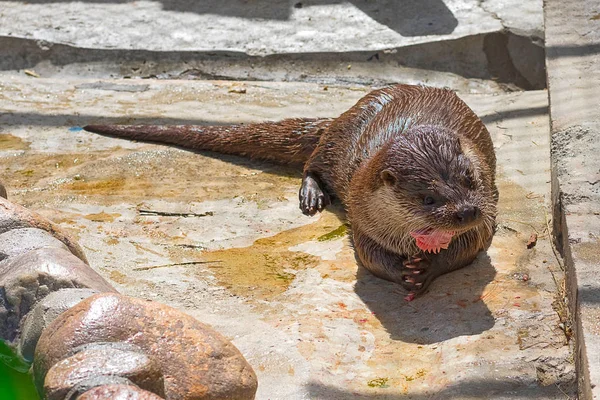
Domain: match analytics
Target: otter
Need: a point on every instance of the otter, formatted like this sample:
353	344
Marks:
413	166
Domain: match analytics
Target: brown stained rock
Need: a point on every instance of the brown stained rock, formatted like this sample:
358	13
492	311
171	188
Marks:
118	392
43	313
13	216
532	240
197	362
107	360
28	278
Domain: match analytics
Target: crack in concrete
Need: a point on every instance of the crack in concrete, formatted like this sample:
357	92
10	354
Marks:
481	4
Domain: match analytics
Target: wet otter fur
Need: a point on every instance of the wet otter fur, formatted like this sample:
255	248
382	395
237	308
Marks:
413	165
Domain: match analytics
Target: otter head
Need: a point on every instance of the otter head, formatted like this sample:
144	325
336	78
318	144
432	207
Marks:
433	180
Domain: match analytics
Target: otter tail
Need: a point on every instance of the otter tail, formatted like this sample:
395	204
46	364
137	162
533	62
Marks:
290	141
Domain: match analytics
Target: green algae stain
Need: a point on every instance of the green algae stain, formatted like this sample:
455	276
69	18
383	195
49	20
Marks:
334	234
15	382
26	172
378	383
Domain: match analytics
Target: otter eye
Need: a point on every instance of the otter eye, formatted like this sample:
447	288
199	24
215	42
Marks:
428	200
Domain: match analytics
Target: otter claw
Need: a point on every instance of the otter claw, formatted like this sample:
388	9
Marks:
312	197
411	262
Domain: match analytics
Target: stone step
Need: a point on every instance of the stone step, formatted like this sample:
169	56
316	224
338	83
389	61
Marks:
573	63
366	42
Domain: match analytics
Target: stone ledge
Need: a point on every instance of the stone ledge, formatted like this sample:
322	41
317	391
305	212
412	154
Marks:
260	27
573	62
441	42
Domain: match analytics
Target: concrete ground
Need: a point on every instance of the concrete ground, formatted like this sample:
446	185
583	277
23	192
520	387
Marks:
222	239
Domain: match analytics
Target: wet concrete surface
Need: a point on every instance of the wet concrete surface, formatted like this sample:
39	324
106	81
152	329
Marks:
222	239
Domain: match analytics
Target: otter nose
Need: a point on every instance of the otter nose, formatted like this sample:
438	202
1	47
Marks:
467	214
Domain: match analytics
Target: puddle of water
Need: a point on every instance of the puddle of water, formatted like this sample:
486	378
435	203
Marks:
15	382
102	186
11	142
267	268
38	169
174	174
102	217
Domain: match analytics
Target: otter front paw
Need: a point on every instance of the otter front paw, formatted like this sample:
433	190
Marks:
312	197
416	276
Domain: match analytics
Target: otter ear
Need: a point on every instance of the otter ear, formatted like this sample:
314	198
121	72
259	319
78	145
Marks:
388	177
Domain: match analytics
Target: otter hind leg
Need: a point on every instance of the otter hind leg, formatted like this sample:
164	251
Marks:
313	198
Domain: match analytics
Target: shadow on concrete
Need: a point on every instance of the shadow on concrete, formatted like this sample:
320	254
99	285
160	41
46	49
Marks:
472	389
407	17
451	307
589	295
75	122
553	52
513	114
261	9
